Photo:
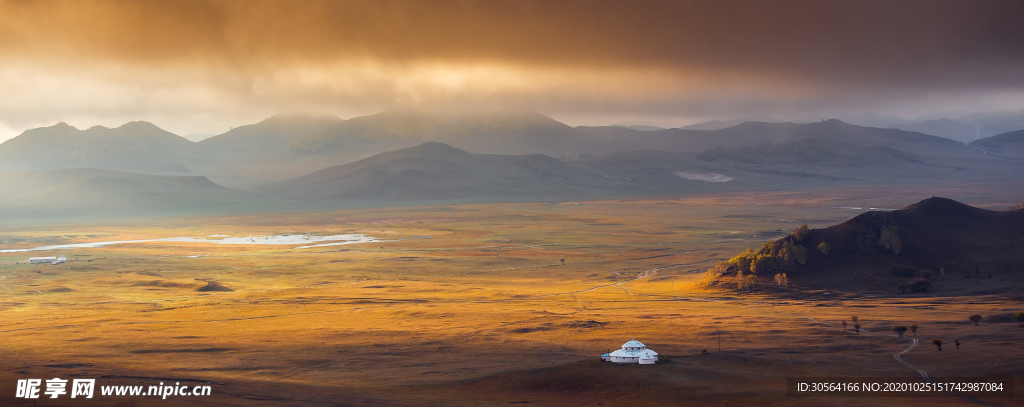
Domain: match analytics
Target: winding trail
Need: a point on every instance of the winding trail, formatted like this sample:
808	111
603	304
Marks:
898	357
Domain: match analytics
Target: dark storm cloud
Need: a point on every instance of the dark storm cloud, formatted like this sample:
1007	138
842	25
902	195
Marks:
644	58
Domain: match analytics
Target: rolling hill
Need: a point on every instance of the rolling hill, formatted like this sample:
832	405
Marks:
79	193
1009	144
437	171
946	128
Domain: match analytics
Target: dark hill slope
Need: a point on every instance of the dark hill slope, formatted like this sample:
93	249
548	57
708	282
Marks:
133	147
877	250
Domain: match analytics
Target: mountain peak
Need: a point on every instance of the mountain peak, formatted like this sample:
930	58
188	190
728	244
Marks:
938	206
61	126
138	125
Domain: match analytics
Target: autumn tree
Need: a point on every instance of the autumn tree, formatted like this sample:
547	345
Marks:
899	330
956	342
713	275
824	248
913	328
742	261
854	318
1019	317
856	328
801	233
844	326
781	280
976	318
937	342
787	259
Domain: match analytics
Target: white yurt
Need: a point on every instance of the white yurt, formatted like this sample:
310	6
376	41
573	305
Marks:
632	352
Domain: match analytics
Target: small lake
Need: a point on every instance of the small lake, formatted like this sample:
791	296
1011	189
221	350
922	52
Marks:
306	241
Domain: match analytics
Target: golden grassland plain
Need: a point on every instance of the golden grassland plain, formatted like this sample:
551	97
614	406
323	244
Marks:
472	305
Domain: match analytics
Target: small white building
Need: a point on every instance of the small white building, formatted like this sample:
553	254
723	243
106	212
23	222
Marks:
632	352
51	260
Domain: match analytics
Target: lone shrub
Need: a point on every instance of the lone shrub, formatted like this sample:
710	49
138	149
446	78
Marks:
913	328
976	318
937	342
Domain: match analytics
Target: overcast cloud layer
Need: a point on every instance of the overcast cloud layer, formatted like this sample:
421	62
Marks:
205	66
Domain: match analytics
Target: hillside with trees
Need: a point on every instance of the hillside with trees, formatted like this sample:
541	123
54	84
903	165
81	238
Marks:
934	247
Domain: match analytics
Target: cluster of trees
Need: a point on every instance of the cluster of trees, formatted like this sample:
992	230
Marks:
901	329
938	343
782	280
714	275
856	324
922	283
746	283
779	256
1019	317
1017	207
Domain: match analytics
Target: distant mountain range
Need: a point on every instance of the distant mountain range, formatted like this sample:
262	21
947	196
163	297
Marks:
134	147
412	156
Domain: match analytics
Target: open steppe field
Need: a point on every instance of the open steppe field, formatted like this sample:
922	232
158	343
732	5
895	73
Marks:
486	304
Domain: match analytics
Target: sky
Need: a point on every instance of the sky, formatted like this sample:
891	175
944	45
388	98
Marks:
206	66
